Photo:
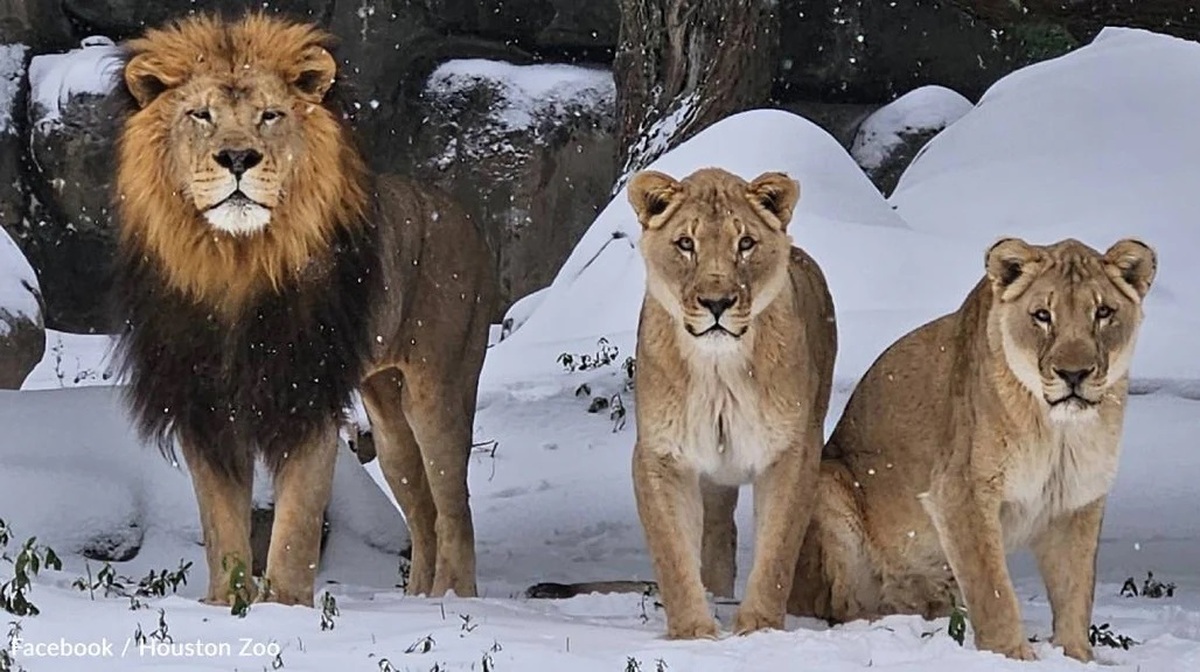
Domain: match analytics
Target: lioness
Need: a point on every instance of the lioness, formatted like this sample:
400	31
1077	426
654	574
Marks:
735	355
265	274
993	428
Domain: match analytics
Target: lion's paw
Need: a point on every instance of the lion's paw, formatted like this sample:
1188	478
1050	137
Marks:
704	628
753	620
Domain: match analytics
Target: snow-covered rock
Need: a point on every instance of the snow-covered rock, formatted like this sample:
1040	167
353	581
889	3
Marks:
889	139
22	332
529	150
1097	145
54	79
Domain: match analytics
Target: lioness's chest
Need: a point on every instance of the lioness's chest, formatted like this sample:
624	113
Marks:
727	431
1072	467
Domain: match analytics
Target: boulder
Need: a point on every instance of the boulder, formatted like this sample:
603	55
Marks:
125	18
13	200
529	150
38	24
69	234
889	140
22	332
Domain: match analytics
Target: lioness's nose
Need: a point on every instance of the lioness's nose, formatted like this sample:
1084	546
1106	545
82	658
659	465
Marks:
717	306
1074	377
238	161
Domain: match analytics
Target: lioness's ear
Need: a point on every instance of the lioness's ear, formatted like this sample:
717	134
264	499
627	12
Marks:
1009	264
775	193
313	73
652	195
147	78
1133	264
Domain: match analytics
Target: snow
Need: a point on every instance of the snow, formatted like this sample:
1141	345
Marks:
18	285
551	492
55	78
928	108
1099	145
12	68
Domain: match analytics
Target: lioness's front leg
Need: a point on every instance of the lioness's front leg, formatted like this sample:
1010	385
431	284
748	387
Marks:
224	498
670	508
1066	554
783	504
303	482
718	547
968	527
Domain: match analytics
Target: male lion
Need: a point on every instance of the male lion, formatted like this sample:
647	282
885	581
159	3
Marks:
265	275
735	363
993	428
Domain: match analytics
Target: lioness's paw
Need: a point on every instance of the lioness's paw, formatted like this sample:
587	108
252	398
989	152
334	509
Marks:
693	629
1081	651
1021	651
752	620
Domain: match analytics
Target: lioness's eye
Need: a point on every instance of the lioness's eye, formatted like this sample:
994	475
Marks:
686	244
1042	315
271	115
201	114
746	244
1104	312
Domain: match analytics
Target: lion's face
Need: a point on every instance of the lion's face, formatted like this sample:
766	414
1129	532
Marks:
1068	317
716	247
239	121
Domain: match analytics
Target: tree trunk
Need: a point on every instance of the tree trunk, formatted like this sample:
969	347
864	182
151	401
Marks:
682	65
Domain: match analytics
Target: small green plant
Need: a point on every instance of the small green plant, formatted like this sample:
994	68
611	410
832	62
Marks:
329	611
1151	588
422	645
467	626
30	559
1102	636
605	354
8	661
958	624
154	584
385	665
162	633
277	661
632	665
239	585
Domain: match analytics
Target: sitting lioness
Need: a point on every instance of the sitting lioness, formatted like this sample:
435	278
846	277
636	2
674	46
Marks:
735	361
993	428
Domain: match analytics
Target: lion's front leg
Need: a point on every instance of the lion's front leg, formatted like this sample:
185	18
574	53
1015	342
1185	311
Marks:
223	493
670	508
303	482
783	505
1066	554
968	527
718	549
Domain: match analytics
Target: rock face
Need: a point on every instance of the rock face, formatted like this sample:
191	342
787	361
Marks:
529	150
22	331
13	91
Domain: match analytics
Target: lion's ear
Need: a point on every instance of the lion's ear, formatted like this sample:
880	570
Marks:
775	193
1009	263
147	78
653	197
1132	263
314	73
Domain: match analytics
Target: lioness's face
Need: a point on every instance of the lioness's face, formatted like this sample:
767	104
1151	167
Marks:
716	247
1068	317
240	125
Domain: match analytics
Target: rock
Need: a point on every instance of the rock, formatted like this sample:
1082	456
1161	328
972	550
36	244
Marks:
22	332
889	140
13	200
868	51
69	235
125	18
39	24
548	27
529	150
120	545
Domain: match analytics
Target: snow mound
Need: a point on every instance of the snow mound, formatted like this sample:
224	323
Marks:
928	108
19	290
1098	145
12	67
884	277
55	78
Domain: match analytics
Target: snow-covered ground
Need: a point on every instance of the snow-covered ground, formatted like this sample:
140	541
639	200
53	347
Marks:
552	495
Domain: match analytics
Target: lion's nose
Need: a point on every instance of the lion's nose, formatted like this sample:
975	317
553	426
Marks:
1073	377
238	161
718	306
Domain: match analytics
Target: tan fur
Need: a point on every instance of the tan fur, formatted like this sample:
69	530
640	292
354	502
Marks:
429	325
717	410
962	444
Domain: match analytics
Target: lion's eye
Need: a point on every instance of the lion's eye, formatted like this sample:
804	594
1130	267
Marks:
686	244
1104	312
201	114
1042	315
746	244
269	116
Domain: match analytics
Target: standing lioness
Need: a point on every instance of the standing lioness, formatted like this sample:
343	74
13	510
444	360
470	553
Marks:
735	362
990	429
